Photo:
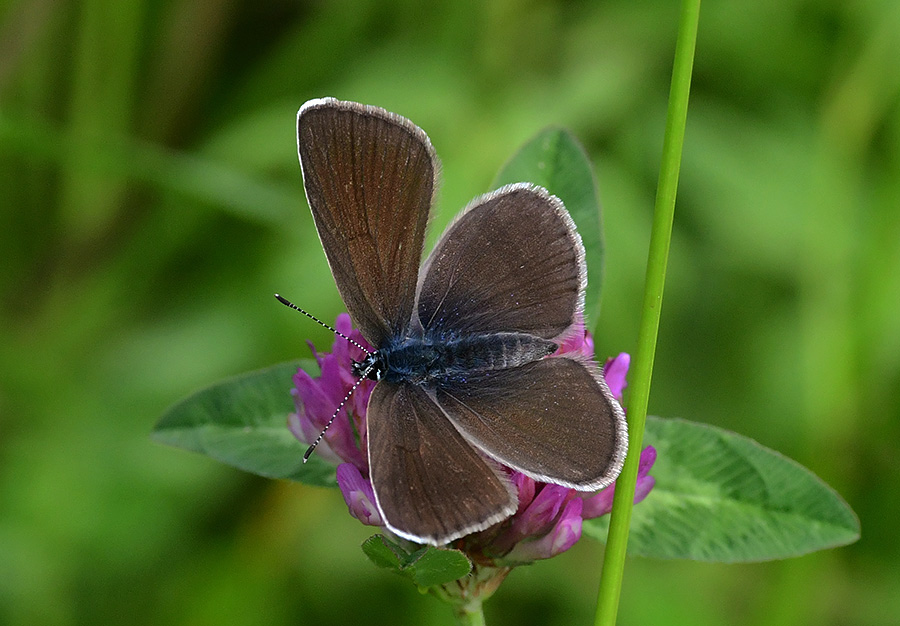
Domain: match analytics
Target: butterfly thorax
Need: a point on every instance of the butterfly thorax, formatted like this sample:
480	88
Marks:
423	360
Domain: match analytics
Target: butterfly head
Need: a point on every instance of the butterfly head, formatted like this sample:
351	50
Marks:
372	367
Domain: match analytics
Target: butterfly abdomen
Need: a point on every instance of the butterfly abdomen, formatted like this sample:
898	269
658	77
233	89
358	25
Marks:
420	360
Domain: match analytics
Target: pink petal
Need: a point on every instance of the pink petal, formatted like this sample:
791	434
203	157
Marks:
602	502
614	371
564	534
525	487
358	495
539	516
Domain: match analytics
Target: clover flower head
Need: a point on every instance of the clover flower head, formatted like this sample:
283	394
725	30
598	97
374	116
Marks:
549	517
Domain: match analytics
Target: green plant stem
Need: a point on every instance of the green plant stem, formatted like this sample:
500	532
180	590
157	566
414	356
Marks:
660	237
469	614
468	594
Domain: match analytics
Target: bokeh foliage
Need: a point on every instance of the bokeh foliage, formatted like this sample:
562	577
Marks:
151	203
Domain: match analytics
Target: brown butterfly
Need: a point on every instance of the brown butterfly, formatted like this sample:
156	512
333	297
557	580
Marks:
467	380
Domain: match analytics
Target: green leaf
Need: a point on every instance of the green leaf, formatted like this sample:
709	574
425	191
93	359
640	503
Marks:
437	566
426	566
242	421
556	161
723	497
383	552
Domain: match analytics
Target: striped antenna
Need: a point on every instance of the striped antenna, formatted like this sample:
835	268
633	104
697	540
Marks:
365	372
318	440
290	304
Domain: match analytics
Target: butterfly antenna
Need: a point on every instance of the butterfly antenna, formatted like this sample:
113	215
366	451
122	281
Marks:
290	304
334	415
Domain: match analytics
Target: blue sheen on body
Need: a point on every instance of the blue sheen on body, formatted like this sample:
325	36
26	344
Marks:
422	360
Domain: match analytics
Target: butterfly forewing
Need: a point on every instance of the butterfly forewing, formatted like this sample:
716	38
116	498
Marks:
552	419
431	486
370	178
511	262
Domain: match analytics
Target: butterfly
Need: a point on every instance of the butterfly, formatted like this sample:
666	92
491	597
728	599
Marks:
467	377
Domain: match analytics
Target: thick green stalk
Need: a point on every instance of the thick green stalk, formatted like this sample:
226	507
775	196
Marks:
660	237
468	594
470	614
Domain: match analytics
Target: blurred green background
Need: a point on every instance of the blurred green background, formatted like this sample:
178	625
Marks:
151	204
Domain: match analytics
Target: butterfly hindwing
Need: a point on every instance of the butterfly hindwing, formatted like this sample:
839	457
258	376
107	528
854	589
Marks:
512	262
553	419
430	485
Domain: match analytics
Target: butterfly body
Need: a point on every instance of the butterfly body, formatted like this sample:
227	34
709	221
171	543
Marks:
468	384
422	361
